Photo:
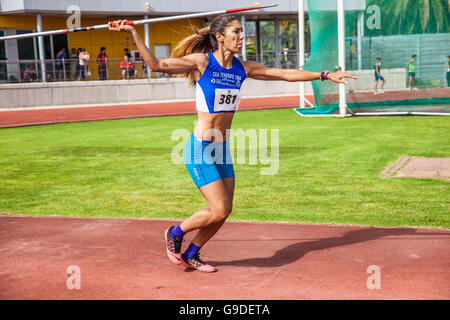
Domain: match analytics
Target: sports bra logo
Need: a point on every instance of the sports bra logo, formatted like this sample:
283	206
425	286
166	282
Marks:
226	79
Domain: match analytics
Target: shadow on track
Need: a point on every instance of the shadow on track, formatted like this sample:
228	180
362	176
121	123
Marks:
297	250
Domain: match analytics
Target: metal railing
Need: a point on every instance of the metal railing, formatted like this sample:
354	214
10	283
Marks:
285	60
71	70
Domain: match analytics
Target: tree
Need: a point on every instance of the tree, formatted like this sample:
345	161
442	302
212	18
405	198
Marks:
412	16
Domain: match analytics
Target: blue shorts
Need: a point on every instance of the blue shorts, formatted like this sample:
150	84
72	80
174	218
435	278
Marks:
378	77
207	161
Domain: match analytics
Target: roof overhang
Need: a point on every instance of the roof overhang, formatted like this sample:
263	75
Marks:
117	8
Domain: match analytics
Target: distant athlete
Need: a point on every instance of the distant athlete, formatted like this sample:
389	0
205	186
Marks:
378	76
208	59
411	66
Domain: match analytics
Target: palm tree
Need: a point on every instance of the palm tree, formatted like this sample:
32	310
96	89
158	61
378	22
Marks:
412	16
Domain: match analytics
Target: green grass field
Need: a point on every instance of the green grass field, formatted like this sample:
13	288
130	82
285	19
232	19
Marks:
329	171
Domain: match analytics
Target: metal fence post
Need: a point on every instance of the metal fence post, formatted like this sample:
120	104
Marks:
64	68
107	69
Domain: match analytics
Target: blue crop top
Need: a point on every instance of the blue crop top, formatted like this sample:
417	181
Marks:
219	89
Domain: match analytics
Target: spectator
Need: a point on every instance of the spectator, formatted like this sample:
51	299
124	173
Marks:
62	55
411	65
84	65
78	61
30	73
127	67
378	76
102	60
74	64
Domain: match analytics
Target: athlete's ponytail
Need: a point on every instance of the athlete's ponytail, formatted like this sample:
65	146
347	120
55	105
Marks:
203	40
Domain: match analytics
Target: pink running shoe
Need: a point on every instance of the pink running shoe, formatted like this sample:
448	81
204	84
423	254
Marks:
196	263
173	246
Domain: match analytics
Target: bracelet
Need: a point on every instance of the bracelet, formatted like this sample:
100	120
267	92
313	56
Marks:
324	75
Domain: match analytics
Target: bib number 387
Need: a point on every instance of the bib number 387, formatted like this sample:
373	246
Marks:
227	99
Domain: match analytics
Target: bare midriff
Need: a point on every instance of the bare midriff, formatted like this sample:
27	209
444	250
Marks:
213	126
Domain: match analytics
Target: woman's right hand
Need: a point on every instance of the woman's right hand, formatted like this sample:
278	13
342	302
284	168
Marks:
120	25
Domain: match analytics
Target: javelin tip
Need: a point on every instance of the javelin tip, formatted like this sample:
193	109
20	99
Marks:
268	6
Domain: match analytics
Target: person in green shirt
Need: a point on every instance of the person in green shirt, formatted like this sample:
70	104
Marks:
411	66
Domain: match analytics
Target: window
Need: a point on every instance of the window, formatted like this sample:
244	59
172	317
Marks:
28	50
251	40
288	40
25	46
3	67
268	51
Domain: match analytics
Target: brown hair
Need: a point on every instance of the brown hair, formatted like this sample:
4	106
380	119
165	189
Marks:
203	40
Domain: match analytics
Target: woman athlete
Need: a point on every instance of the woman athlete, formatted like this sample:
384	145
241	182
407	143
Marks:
208	59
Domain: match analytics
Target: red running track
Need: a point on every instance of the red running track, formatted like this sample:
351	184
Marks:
126	259
17	118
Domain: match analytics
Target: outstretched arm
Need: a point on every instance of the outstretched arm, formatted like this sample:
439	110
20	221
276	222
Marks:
259	72
185	64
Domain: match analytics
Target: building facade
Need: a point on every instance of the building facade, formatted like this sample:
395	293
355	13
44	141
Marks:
271	34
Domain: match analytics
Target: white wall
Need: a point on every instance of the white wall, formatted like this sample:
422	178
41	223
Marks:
395	80
79	93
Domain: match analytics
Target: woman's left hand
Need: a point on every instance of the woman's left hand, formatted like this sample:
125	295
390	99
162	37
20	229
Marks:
338	76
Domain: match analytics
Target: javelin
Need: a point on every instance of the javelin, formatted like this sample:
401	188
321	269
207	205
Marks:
133	23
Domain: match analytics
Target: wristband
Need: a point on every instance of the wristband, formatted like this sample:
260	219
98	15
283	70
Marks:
324	75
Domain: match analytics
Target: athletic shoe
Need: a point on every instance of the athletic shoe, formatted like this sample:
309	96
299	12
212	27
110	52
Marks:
196	263
376	92
173	246
415	88
380	91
